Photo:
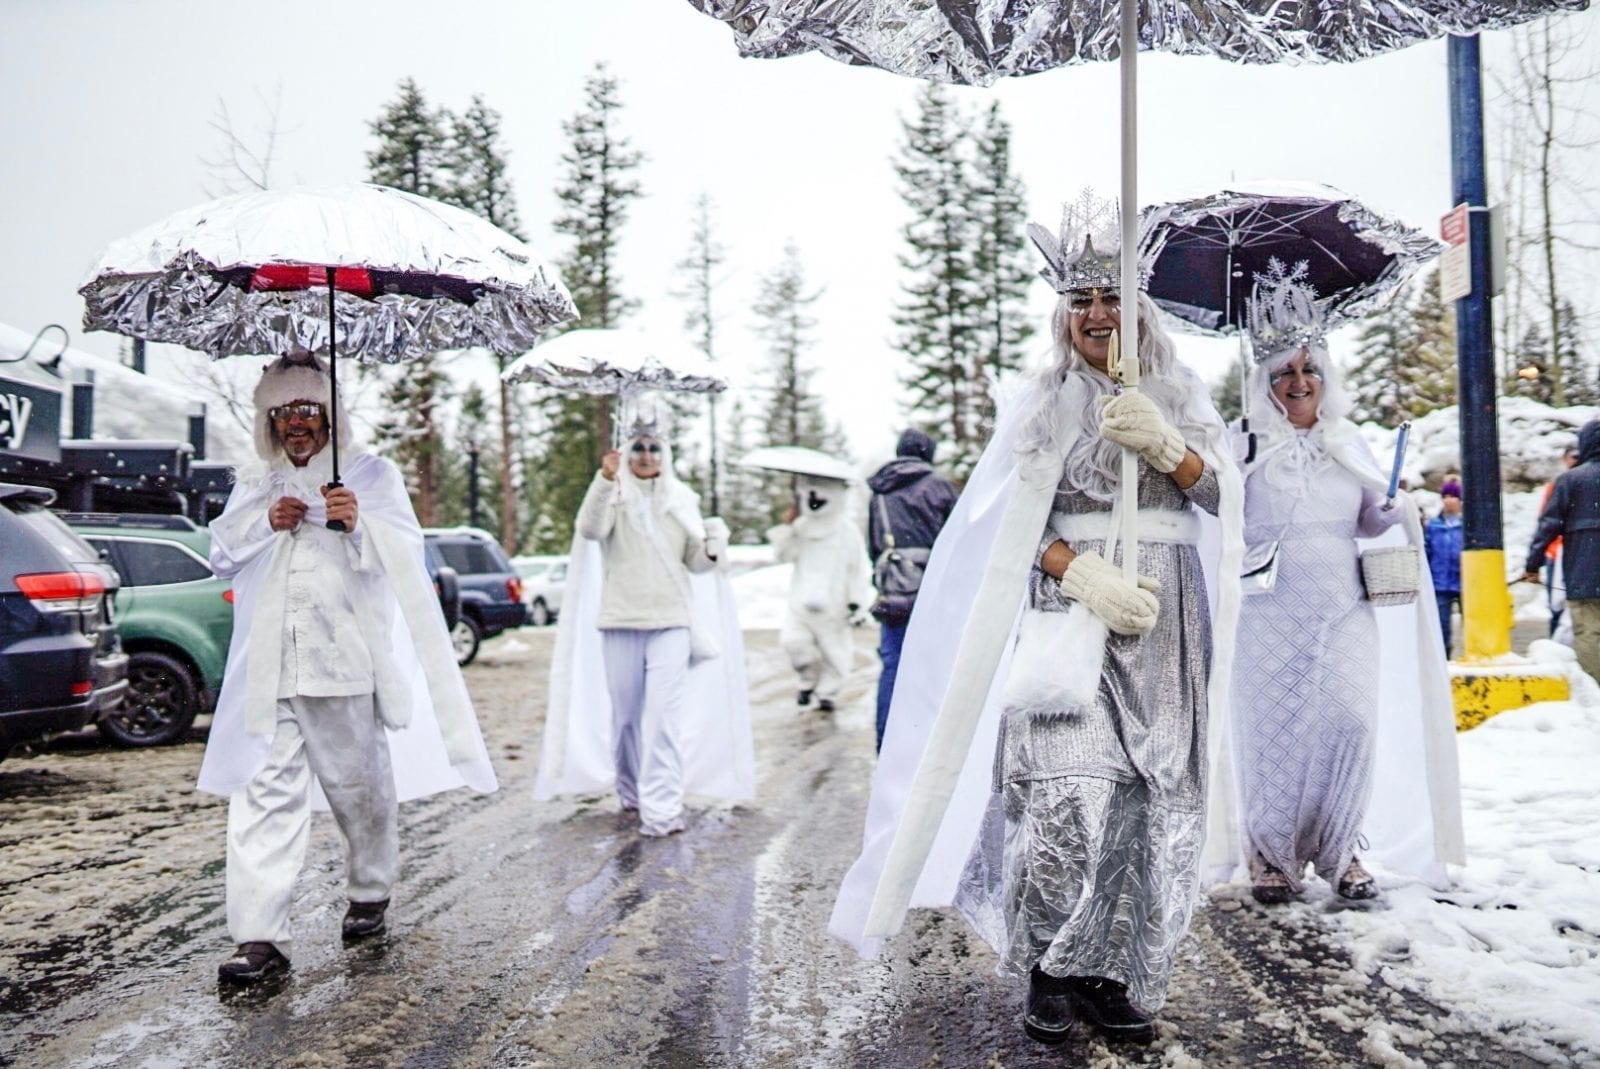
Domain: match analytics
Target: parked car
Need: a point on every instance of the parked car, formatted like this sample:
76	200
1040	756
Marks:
61	662
491	589
544	581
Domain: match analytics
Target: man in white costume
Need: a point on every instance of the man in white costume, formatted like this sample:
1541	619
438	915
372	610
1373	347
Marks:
647	678
829	591
341	689
1045	767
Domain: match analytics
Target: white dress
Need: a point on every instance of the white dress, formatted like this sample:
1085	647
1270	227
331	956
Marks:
1305	684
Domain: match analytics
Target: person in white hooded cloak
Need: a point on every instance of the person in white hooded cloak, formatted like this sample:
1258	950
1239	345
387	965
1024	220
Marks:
1342	715
647	690
1045	763
829	590
341	690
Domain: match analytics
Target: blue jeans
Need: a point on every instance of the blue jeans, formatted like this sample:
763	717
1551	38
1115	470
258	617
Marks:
890	638
1447	599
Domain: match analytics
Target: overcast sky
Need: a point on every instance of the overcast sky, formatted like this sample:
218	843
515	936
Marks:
109	104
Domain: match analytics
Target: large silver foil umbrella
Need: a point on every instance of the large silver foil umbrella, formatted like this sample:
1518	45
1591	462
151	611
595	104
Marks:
978	41
357	270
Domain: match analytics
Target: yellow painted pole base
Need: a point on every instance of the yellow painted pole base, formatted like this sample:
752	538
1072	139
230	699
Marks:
1481	694
1485	604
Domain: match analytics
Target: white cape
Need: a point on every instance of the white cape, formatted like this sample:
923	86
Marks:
934	774
434	741
576	755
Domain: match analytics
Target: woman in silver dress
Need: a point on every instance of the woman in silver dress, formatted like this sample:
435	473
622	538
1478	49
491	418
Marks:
1306	686
1081	865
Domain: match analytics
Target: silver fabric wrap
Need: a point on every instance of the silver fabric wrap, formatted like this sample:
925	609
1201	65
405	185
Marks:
168	282
1305	687
600	378
976	42
1243	212
1088	860
612	360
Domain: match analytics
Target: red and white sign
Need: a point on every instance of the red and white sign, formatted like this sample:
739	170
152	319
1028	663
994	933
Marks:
1455	264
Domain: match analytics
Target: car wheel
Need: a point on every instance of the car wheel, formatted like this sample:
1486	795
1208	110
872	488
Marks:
539	613
465	637
161	703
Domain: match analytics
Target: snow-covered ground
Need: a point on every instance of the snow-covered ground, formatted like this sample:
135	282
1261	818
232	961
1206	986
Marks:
1514	945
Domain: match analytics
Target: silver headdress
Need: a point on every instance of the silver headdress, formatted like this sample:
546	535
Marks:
1087	253
643	417
1284	312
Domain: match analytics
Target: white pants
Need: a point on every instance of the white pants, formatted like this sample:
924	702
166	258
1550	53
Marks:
341	742
647	674
820	649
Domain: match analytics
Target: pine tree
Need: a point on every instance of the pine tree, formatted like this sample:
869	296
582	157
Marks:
1405	364
1580	385
1227	392
699	267
746	503
595	194
1001	264
1532	375
794	414
479	182
413	145
938	315
412	154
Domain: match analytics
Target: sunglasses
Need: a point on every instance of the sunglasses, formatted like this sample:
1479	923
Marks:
308	412
641	447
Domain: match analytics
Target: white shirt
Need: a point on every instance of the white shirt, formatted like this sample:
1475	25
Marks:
324	653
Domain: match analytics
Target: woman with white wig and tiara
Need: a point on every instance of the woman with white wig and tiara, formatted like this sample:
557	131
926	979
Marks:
1316	659
1045	766
647	685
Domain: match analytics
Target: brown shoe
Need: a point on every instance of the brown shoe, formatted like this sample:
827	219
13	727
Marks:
1357	883
364	918
1268	885
252	963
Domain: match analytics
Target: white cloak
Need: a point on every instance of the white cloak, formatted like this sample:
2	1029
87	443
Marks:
434	741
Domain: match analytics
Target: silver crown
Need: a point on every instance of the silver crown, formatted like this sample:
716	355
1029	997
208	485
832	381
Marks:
1093	227
1284	312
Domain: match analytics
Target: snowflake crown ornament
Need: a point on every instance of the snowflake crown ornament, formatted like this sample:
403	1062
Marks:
643	420
1087	252
1284	313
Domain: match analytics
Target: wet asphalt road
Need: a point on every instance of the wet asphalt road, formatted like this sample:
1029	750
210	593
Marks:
549	934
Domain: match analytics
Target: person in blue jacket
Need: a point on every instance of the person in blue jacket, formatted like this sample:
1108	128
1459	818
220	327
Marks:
1442	540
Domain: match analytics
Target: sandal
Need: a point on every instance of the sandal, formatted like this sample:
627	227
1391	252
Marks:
1357	883
1268	885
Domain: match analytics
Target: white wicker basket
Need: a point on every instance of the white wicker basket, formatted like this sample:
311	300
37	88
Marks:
1391	575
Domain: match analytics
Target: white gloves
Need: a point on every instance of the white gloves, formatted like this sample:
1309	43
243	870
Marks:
716	537
1126	609
1132	420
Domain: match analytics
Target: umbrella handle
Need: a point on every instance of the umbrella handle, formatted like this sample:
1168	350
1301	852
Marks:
333	398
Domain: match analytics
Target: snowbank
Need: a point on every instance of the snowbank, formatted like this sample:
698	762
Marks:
1532	437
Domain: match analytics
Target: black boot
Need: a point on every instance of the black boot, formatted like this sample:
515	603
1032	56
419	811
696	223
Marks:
1104	1004
825	705
804	699
364	918
1047	1013
252	963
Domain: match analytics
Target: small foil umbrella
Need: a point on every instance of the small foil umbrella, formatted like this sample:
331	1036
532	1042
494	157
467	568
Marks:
360	270
601	361
1205	252
798	460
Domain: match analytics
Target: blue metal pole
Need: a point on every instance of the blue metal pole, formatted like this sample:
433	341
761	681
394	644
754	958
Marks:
1485	603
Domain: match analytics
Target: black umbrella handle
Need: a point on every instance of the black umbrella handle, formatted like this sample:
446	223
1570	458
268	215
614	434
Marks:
333	398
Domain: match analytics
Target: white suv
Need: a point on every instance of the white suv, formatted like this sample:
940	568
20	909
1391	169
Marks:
544	581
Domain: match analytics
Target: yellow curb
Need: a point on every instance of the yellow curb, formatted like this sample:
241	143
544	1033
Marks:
1480	693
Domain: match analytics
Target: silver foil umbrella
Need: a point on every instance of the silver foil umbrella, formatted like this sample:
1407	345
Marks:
357	270
1206	252
601	361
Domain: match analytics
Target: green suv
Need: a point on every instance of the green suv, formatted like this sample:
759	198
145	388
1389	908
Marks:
174	616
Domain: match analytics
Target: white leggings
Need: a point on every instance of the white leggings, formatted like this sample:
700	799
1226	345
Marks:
341	742
647	676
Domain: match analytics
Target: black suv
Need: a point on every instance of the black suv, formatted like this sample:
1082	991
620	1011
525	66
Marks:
61	663
491	589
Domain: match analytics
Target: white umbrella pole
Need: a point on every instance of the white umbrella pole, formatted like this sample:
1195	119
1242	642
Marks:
1128	367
